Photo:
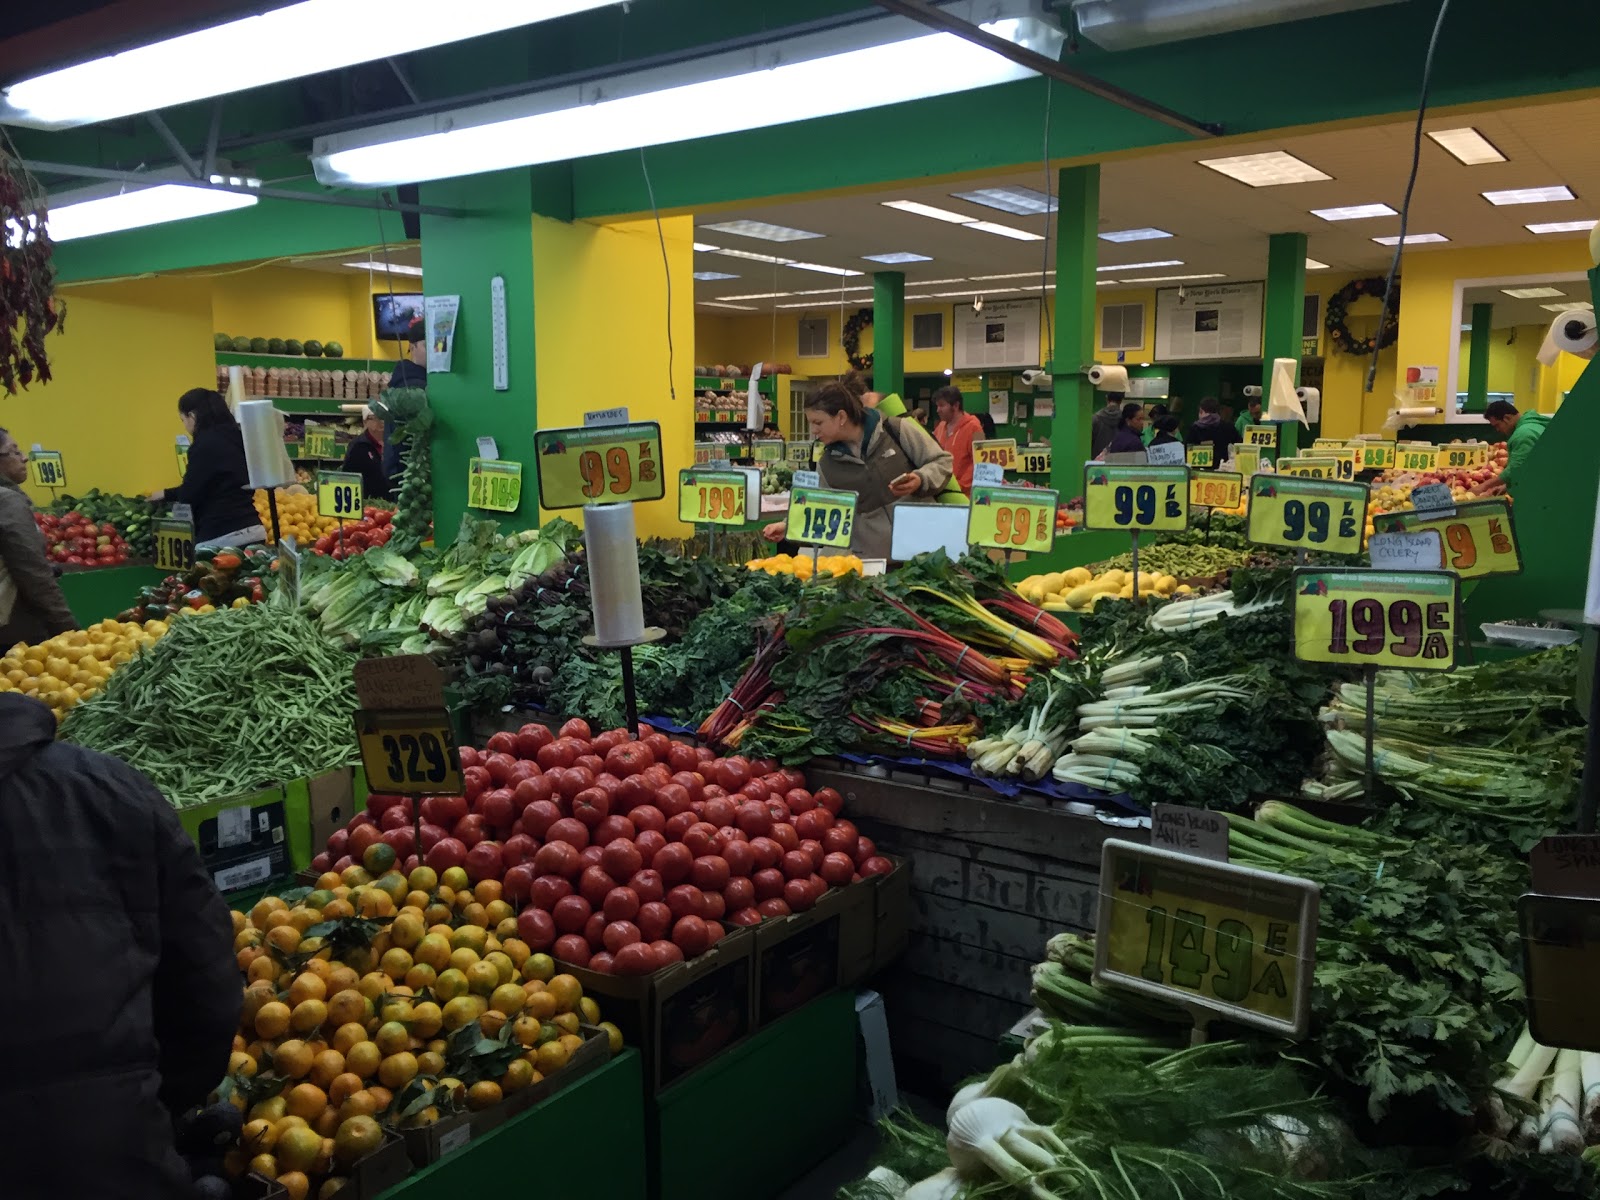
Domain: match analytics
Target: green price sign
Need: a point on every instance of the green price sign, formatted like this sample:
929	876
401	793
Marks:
1012	518
1135	497
494	484
767	450
821	517
45	469
1200	456
599	464
1307	514
320	441
712	497
339	495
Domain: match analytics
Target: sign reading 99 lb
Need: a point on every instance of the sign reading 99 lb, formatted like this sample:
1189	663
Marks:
1480	538
1364	618
1307	514
600	464
1135	497
339	495
411	753
1012	518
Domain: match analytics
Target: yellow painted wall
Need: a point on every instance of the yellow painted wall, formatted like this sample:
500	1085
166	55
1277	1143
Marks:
600	323
128	351
742	340
285	302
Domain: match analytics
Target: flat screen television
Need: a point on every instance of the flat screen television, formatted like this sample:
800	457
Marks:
393	313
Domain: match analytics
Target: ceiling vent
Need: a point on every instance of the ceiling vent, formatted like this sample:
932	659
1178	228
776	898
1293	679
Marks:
1130	24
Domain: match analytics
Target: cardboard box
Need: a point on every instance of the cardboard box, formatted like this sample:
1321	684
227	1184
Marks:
331	801
378	1171
428	1144
258	1187
803	956
683	1016
245	842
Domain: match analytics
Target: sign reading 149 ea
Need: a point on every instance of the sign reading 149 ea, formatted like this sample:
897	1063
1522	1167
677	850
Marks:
1228	939
599	464
1135	497
1365	618
821	516
1307	514
1012	518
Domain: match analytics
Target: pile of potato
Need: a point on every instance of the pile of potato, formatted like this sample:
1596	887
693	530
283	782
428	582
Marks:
1080	589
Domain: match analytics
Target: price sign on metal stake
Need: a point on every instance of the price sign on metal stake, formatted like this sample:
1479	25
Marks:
493	484
1215	489
1417	458
1129	498
1000	451
45	469
821	516
410	752
1373	456
1480	537
339	495
712	497
1307	514
174	544
767	450
1263	436
1309	467
799	453
1227	939
1200	456
1035	460
1366	618
1469	455
1012	518
601	464
319	441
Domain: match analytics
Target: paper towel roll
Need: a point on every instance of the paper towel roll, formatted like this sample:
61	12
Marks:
1311	401
236	392
1574	332
1109	379
1283	402
755	412
1407	416
613	560
1252	391
264	453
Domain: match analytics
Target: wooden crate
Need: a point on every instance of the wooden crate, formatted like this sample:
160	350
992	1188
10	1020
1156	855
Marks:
991	881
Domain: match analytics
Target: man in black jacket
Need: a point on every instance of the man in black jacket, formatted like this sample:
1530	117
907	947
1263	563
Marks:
1209	429
124	995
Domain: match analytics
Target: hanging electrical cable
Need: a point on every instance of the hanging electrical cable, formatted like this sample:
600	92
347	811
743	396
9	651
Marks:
666	268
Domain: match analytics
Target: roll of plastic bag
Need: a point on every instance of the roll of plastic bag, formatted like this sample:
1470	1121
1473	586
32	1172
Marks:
612	554
265	457
1573	332
1406	416
1109	379
1311	401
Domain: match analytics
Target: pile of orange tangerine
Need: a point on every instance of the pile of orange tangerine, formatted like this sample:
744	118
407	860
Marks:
327	1042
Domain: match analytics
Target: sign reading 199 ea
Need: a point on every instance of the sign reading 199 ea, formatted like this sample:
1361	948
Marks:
600	464
1009	518
1365	618
1307	514
1229	939
410	752
712	497
1135	497
174	543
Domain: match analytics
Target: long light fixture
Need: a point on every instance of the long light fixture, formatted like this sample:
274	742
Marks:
1354	212
1562	226
1467	146
1144	266
886	61
1412	239
100	211
1272	168
285	43
391	268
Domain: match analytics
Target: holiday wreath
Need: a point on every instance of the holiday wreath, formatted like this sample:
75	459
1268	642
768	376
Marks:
850	339
1339	303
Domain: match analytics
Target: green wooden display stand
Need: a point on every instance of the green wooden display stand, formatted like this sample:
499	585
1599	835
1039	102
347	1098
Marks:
587	1140
809	1058
105	591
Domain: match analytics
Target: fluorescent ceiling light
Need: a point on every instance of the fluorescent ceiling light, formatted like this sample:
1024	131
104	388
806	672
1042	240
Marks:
1106	282
762	296
813	305
988	278
1270	169
1313	265
887	61
135	209
762	230
1560	308
1172	278
753	256
799	266
1412	239
1135	235
1539	195
284	43
724	304
833	291
928	210
937	282
1021	235
1561	227
704	247
707	276
391	268
1532	293
1468	146
1354	212
1020	201
1144	266
1011	291
897	256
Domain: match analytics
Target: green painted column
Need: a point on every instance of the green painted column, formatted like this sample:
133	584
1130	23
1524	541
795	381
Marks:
889	332
1077	252
460	255
1478	358
1283	319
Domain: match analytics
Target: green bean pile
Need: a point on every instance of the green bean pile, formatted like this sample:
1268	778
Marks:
226	704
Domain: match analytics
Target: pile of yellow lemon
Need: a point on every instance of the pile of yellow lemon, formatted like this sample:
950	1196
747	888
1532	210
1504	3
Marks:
801	567
74	666
297	515
352	1039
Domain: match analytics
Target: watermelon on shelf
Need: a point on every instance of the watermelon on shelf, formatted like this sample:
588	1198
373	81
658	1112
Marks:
313	349
258	345
222	341
275	346
241	345
293	347
333	350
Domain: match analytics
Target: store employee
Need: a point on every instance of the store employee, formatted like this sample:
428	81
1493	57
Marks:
216	485
1522	431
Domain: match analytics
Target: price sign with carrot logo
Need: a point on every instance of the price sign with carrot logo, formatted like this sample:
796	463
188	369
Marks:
1417	458
1226	939
1309	467
1133	497
600	464
1000	451
1366	618
412	752
1012	518
1307	514
1480	537
1464	455
1373	456
821	516
1215	489
713	497
493	484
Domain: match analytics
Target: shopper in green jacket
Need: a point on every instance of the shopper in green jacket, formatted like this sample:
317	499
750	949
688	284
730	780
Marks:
1250	416
1522	431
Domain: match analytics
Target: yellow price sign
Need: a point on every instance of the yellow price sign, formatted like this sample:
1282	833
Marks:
174	541
1373	456
1263	436
1215	489
1464	455
1345	459
1012	518
704	452
1355	617
1417	458
767	450
821	517
1307	514
1035	460
410	752
600	464
339	495
1200	456
320	441
1135	497
712	497
1480	537
1002	452
1229	939
1322	445
493	484
1309	467
967	383
183	458
800	452
1247	459
45	469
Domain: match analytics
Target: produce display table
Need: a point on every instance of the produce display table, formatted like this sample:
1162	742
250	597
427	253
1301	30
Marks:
808	1058
102	592
586	1140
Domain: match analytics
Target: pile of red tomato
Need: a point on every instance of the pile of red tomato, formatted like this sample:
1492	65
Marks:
624	854
375	528
73	540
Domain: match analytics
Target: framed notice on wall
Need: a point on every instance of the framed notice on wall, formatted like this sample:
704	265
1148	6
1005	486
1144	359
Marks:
1198	323
1004	334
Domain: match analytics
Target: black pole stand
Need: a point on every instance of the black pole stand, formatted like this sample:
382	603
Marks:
630	697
